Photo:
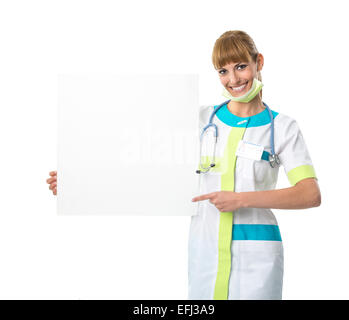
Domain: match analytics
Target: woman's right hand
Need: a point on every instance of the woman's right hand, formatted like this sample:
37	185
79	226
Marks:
53	182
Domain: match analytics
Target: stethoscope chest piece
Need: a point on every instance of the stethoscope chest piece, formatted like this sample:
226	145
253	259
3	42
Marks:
274	160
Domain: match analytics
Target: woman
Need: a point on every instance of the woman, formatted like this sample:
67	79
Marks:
235	247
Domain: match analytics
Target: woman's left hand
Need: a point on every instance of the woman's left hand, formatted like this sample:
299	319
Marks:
225	201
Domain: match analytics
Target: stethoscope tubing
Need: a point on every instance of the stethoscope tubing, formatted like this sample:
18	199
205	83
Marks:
211	124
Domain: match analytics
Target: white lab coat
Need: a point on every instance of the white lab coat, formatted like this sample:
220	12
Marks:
239	255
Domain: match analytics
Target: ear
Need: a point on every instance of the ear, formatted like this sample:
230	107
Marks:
260	62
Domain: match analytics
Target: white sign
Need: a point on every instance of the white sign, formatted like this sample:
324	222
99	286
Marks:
127	144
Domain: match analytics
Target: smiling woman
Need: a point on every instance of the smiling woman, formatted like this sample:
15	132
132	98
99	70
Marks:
235	245
239	64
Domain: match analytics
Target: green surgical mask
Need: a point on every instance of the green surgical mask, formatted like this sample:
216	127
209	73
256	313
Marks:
249	95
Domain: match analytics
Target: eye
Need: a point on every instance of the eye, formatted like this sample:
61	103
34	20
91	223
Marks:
220	71
242	65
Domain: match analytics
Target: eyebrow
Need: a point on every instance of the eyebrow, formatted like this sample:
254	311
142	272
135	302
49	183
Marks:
235	65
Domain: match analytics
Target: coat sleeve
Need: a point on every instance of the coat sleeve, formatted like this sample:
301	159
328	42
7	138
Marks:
294	155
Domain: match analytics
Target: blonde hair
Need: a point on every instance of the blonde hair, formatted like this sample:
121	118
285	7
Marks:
235	46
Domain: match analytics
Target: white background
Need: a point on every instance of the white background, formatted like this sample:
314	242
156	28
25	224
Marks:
305	74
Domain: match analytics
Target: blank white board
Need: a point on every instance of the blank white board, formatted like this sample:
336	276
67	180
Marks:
127	144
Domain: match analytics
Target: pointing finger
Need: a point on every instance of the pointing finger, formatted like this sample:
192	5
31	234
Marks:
204	197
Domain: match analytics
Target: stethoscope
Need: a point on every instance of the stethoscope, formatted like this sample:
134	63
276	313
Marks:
274	160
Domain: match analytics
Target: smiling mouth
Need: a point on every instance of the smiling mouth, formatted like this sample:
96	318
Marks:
239	89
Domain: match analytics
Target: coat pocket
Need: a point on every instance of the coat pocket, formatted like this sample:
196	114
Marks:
260	269
256	170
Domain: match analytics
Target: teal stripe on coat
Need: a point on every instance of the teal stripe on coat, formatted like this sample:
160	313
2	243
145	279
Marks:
259	119
265	155
262	232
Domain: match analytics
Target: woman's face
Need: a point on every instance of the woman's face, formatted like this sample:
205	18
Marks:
238	77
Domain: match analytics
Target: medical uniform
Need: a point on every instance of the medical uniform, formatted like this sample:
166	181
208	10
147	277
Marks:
239	255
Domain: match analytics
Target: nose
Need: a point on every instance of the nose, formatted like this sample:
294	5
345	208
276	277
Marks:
232	78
